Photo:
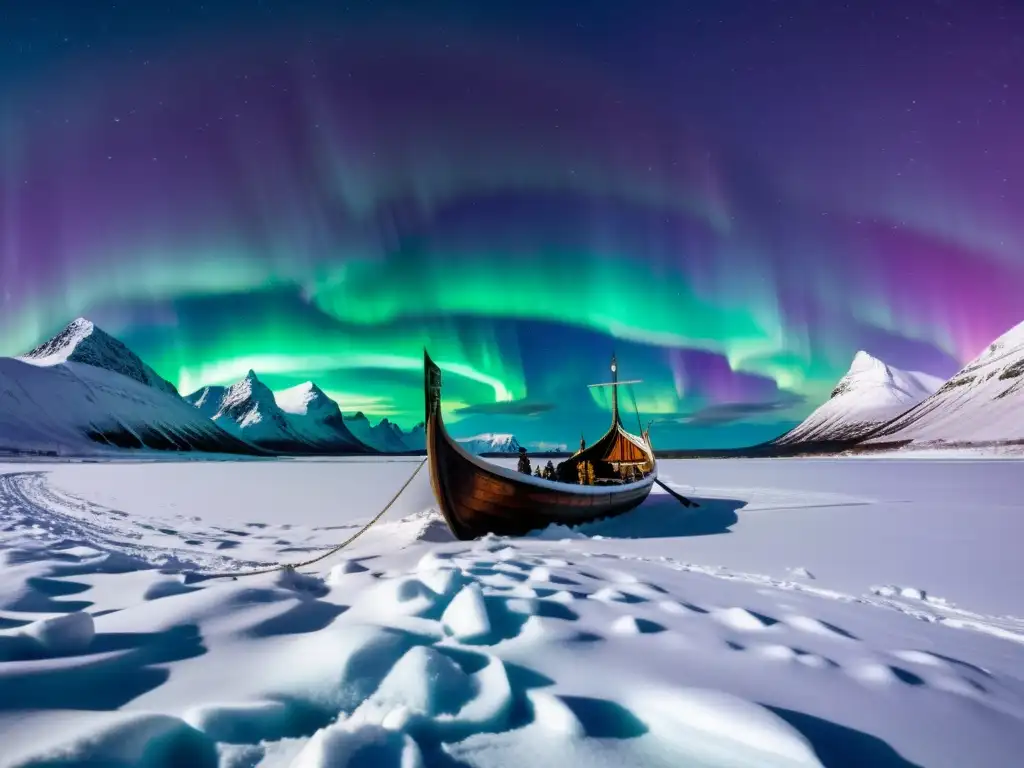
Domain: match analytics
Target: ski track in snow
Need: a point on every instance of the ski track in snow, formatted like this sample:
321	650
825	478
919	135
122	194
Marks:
454	654
29	500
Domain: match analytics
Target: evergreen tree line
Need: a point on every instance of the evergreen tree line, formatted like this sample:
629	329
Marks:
583	473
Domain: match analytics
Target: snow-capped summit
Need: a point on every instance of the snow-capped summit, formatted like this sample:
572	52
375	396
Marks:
247	408
305	399
490	443
869	395
250	402
982	403
316	418
83	342
878	383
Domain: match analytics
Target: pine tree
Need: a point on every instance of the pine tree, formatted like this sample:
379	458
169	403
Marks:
549	470
537	472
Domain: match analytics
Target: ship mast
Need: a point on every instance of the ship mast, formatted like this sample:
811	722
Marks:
615	390
615	384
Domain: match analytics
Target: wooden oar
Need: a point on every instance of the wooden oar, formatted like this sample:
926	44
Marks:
678	496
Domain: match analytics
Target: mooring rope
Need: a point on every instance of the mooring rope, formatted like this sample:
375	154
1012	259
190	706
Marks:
291	566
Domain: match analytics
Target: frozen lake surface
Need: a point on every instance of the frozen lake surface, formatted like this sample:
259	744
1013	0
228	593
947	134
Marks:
835	612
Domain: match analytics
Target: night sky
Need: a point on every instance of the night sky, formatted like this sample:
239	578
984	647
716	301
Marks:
735	197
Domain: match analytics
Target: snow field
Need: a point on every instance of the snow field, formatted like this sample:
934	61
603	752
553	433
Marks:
604	646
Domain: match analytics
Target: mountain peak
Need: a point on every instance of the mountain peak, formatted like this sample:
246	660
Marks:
249	402
864	361
870	394
82	341
85	325
250	386
61	347
866	371
304	398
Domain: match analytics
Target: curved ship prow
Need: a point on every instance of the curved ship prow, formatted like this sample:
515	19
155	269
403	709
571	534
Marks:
477	497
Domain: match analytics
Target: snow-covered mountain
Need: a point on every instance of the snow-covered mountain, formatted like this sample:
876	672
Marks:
248	409
316	418
982	403
385	437
300	419
53	401
207	400
490	443
82	342
869	395
416	438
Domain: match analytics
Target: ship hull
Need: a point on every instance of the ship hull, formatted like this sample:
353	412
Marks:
477	497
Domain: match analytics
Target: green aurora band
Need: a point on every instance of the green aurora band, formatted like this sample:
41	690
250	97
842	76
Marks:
324	207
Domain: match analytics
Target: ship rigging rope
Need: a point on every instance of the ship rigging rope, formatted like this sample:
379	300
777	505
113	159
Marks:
328	553
636	410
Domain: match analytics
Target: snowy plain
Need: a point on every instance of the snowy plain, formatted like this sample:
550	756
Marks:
839	612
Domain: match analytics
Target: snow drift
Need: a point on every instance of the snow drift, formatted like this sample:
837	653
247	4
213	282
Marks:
868	396
602	646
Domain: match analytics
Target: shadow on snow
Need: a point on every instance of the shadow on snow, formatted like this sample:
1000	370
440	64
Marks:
661	516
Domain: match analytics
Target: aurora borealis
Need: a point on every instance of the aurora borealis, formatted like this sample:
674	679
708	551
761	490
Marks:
734	197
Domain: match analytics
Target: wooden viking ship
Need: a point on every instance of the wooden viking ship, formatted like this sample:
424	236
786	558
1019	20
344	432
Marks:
477	497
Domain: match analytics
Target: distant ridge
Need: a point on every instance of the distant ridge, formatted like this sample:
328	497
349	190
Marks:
309	423
490	443
385	436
